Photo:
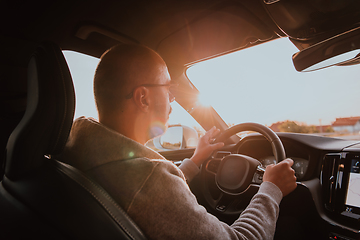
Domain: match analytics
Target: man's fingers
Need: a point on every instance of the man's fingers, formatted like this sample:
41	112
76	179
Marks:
212	131
217	145
288	161
209	135
282	175
215	132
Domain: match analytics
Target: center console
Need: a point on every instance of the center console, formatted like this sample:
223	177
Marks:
340	182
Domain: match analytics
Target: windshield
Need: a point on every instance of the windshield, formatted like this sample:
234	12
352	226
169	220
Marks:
260	84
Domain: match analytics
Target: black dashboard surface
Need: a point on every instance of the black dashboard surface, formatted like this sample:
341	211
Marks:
306	209
324	167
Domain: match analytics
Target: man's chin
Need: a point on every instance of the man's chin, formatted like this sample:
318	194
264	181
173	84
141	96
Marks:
157	128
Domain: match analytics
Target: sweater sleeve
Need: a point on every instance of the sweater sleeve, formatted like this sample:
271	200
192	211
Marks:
165	208
189	169
258	220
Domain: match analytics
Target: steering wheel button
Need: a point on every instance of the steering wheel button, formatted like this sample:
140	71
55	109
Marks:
221	208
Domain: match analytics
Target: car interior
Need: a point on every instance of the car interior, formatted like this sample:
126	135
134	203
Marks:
44	198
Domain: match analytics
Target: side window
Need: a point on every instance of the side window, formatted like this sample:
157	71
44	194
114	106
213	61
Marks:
183	131
82	68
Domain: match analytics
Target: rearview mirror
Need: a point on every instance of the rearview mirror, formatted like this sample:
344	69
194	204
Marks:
342	49
177	137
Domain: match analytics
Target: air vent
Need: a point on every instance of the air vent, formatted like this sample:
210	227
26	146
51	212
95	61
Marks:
331	178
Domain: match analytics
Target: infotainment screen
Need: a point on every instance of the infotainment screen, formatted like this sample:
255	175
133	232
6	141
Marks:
352	200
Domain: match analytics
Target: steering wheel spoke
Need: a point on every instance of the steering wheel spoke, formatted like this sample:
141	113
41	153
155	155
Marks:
234	204
224	202
212	166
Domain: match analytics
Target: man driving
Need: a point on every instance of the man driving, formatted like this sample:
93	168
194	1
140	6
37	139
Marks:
132	92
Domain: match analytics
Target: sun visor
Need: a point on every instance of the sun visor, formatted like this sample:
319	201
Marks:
307	20
214	33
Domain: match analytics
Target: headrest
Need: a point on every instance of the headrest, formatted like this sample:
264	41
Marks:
49	113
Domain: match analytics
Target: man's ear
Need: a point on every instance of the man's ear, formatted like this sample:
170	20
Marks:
141	98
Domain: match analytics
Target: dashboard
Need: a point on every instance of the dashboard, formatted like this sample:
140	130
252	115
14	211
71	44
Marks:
327	169
326	203
259	148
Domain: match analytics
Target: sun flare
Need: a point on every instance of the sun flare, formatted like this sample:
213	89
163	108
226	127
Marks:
205	99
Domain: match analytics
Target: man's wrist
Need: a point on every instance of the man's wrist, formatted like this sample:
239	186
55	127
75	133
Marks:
196	160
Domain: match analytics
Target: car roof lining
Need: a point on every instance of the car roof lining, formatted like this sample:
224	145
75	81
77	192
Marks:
155	24
145	22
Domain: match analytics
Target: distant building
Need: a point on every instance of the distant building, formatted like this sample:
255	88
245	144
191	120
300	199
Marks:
349	124
324	128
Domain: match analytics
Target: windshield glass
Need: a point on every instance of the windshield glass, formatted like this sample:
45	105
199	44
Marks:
260	84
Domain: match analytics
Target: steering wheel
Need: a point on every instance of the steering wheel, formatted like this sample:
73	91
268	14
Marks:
228	182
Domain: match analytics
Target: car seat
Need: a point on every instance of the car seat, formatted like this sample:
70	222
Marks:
41	197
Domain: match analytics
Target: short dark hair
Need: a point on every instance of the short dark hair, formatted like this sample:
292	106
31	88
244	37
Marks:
121	68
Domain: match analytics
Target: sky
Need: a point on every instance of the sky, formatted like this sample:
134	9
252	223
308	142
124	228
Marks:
258	84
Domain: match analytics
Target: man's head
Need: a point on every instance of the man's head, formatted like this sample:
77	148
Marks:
131	87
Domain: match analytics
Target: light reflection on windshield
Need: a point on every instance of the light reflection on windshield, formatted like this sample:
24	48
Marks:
261	85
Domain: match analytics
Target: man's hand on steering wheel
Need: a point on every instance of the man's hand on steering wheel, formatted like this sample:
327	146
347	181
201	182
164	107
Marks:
282	175
205	146
234	174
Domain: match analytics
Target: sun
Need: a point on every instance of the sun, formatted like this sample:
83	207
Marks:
205	99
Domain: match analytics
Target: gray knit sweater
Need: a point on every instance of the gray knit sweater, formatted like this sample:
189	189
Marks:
154	192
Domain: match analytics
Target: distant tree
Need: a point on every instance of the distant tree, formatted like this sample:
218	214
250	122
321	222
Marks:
291	126
329	129
310	129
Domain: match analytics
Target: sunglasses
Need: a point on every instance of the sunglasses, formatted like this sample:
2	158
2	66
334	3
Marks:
170	85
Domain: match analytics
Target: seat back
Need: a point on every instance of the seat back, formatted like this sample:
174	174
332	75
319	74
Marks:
40	196
47	121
